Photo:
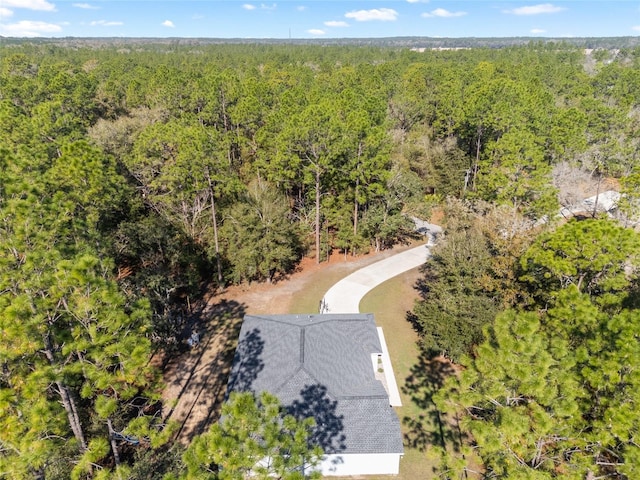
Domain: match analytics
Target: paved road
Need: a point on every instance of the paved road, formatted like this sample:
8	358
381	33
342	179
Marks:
345	296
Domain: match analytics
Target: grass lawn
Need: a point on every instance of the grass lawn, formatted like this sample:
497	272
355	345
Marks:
308	299
417	379
390	303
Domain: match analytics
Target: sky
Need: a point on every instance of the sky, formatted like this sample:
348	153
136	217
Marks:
319	18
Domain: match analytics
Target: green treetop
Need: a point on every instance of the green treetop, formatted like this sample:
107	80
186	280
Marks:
598	256
254	439
554	395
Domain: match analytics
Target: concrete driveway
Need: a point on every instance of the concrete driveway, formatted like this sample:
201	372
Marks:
345	296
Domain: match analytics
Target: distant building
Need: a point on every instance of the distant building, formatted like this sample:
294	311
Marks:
606	202
328	367
430	230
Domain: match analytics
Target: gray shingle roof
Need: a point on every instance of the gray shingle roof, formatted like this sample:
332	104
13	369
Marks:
320	366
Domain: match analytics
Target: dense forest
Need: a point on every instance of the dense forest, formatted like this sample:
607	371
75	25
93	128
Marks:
135	177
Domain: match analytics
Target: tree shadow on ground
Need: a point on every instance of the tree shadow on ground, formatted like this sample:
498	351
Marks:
246	362
422	286
200	373
327	432
430	426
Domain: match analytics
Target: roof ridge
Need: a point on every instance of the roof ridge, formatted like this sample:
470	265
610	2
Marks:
328	392
288	379
363	397
261	317
344	320
314	317
272	318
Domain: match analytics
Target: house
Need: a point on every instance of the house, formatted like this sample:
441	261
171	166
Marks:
606	202
326	366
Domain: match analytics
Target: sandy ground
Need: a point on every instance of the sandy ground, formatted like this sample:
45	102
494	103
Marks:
196	380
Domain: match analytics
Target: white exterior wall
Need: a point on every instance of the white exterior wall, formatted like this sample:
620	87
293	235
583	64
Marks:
360	464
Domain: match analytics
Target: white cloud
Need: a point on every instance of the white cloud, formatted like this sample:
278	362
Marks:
382	14
301	8
538	30
442	13
86	6
168	23
264	6
30	5
316	31
105	23
418	1
5	12
336	23
28	28
636	28
248	6
536	9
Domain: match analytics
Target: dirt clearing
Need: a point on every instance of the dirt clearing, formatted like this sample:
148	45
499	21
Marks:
197	379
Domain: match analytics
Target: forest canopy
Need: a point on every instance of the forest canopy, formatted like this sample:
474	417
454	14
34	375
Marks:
135	176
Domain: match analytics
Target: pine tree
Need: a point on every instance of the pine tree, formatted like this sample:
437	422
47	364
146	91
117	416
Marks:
74	350
553	394
598	256
254	439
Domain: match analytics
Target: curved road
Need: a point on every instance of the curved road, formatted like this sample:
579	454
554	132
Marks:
345	296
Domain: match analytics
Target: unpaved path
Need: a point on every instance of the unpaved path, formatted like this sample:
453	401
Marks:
196	380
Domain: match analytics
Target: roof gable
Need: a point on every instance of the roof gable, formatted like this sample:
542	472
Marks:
320	366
